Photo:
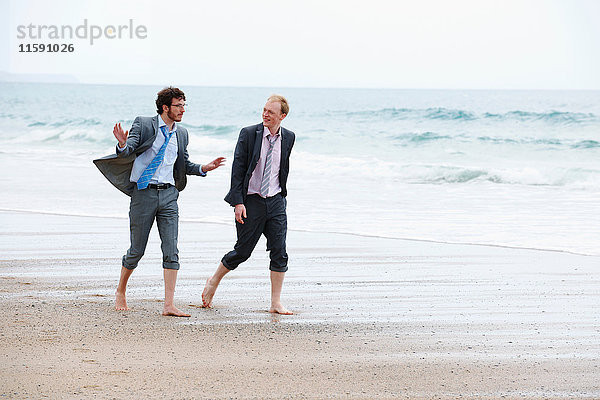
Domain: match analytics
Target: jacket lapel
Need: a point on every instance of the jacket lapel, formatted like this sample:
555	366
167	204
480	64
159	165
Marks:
150	140
257	145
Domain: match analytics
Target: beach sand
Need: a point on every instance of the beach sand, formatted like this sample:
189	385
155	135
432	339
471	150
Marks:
375	318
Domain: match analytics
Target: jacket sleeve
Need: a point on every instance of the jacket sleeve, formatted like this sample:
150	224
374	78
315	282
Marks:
238	170
293	141
190	167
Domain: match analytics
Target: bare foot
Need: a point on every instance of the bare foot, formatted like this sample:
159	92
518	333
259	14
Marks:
120	302
208	293
174	312
280	309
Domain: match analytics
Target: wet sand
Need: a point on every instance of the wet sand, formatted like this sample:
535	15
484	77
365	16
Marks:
375	318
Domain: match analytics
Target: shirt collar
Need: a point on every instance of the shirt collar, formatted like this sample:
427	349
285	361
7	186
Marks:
267	131
162	123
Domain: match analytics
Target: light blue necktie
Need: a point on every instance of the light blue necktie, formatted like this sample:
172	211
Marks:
264	186
148	173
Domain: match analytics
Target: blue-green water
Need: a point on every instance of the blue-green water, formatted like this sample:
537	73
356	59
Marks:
517	168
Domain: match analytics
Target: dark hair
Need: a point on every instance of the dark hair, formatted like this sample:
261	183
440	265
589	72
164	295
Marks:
165	97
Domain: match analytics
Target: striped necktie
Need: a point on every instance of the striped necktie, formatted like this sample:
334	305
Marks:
148	173
264	186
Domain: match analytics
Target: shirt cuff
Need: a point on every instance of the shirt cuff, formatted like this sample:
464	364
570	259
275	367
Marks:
119	149
200	170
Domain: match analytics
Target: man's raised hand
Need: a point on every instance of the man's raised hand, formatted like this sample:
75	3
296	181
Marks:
120	135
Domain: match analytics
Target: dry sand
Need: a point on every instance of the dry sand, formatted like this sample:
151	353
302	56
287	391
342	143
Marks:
376	318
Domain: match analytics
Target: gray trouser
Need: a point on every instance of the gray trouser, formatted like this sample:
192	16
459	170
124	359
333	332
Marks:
146	205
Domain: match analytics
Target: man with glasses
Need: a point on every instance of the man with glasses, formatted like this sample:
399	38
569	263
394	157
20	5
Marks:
150	166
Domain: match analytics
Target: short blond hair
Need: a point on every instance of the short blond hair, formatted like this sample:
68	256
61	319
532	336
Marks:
285	107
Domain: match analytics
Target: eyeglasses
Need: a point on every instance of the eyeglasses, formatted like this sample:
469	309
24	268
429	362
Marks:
179	105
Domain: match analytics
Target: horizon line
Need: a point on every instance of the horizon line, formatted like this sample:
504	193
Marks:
77	82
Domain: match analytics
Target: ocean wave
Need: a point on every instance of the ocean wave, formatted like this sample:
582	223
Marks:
586	144
440	174
66	123
448	114
418	138
529	141
528	176
81	137
216	130
413	113
550	116
59	135
96	131
453	173
460	176
421	138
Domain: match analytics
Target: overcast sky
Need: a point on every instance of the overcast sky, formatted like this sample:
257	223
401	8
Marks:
524	44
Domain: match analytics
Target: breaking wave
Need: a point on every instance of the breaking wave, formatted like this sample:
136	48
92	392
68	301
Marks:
448	114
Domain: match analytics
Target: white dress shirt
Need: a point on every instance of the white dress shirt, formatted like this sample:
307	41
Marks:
257	175
164	172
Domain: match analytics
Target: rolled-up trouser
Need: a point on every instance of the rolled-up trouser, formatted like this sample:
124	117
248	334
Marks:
146	205
265	216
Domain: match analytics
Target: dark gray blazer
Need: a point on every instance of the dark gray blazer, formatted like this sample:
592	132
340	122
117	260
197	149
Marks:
247	153
117	167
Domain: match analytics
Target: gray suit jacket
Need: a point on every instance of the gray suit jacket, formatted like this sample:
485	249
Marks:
117	167
245	158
